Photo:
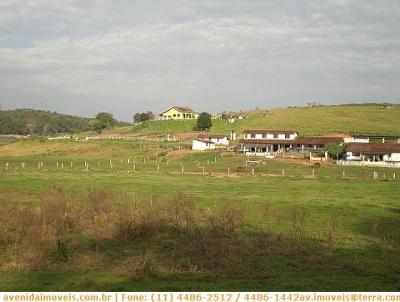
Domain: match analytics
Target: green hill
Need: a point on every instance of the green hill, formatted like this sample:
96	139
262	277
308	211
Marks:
365	118
40	122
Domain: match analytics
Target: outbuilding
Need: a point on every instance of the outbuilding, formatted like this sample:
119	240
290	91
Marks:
202	144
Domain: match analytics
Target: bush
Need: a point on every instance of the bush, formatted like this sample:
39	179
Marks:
61	253
204	121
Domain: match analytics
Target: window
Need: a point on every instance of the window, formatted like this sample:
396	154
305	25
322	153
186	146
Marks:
178	115
253	135
287	135
264	135
275	135
174	115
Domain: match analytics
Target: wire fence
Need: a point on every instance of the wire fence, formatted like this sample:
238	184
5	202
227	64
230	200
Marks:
219	166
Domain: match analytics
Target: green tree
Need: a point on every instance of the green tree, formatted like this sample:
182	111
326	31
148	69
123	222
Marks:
335	149
204	121
140	117
136	117
103	120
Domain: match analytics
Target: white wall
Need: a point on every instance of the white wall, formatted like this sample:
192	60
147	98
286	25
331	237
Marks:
395	157
355	140
220	141
270	136
199	145
351	156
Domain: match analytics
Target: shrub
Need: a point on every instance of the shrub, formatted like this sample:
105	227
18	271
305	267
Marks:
61	253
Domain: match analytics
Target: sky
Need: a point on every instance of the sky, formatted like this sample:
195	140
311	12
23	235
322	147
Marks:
125	56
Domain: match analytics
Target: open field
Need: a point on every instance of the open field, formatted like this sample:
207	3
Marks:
113	228
308	121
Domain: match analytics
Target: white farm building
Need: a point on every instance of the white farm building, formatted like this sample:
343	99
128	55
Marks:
209	141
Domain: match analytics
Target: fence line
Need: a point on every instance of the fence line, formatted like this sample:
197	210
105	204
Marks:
181	168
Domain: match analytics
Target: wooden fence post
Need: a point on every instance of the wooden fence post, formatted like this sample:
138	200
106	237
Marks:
283	172
183	171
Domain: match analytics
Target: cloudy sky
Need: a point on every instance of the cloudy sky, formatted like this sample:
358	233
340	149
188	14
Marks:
123	56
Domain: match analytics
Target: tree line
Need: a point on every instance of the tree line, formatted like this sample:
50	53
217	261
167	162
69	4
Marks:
40	122
46	123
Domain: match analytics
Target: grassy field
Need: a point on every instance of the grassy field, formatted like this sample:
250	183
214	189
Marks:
142	224
308	121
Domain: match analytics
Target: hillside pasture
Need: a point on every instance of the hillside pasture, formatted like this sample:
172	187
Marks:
319	120
114	228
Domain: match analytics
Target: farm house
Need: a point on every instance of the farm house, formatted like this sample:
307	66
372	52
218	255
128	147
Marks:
178	113
272	142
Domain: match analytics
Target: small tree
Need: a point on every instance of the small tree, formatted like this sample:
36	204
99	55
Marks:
335	149
143	117
103	120
136	118
204	121
150	116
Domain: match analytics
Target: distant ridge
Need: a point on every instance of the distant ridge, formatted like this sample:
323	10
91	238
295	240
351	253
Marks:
41	122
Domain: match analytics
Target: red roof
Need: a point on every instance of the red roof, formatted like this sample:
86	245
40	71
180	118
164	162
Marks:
263	131
210	136
183	108
267	141
369	148
317	140
204	140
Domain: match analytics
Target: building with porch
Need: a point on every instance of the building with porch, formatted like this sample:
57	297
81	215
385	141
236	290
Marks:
269	143
178	113
266	142
373	152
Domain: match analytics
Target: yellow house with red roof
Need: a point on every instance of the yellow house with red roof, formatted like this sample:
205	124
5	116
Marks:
178	113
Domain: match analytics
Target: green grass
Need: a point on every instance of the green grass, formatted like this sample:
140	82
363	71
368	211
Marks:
365	212
307	121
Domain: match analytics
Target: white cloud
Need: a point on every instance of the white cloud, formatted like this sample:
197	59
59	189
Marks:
146	55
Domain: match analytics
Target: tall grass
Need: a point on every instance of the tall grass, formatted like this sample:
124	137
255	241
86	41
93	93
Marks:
150	238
